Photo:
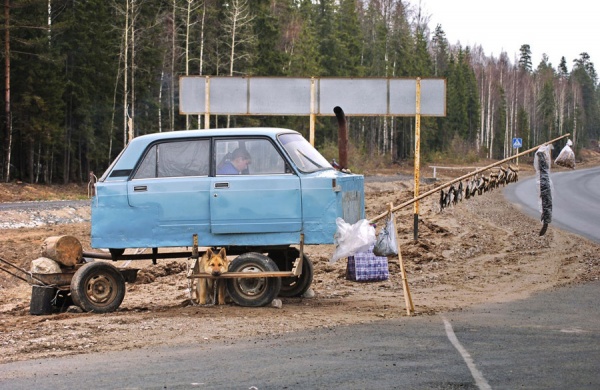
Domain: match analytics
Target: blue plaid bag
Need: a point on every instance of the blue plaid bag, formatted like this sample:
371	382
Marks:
366	267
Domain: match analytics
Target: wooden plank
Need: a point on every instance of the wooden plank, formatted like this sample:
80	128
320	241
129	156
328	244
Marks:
410	307
229	275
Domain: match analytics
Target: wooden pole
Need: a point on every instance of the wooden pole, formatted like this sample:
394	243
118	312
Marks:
417	158
409	202
312	118
410	308
7	109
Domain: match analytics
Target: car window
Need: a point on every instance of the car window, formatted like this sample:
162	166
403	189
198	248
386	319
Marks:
247	157
176	159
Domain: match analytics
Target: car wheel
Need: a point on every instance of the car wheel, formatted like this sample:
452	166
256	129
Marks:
98	287
253	292
295	286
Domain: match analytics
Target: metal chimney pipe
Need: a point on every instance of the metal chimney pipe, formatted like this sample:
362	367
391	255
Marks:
342	137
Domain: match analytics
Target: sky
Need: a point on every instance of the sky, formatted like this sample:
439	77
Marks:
565	28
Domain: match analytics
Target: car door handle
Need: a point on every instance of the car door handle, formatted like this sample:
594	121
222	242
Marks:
140	188
222	185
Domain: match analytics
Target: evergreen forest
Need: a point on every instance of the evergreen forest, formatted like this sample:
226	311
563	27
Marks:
82	77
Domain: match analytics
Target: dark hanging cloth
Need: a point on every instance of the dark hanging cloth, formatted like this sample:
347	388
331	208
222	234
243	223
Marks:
545	190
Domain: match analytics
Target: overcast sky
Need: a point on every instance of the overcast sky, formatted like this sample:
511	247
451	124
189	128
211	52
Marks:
558	29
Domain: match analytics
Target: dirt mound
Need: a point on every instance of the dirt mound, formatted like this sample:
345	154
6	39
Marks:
149	275
23	192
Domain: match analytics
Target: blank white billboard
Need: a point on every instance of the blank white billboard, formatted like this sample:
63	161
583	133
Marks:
296	96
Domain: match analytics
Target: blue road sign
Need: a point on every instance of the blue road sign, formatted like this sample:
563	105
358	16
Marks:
517	143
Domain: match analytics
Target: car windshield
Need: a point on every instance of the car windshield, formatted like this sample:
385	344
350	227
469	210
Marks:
305	156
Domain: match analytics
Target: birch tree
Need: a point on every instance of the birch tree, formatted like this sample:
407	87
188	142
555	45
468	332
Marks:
201	55
191	8
239	38
239	35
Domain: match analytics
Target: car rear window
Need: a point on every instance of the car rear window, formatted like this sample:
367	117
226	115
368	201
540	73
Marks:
176	159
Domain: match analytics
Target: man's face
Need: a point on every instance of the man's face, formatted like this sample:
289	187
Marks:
241	163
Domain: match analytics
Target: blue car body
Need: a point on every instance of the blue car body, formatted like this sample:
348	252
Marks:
164	188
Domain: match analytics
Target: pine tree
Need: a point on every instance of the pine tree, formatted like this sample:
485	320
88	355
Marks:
562	68
37	76
525	58
88	43
269	59
439	45
585	75
422	64
304	60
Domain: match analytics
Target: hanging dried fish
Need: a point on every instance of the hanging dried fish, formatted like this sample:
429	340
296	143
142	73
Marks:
442	200
542	167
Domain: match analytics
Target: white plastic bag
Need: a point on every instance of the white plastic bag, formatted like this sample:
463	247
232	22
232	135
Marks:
350	239
386	240
566	157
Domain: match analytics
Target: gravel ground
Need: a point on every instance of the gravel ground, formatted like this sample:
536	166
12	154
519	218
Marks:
16	215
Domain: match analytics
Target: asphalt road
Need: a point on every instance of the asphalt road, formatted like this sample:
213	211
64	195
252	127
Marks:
549	341
575	200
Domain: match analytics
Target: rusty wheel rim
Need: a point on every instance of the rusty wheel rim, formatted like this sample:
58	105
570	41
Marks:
101	289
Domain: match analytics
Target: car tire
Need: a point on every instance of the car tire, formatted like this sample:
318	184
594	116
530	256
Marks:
295	286
98	287
253	292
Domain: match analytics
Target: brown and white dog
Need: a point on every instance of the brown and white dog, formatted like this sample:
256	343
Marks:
214	264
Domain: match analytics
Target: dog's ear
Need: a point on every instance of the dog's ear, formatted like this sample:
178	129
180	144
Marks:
222	253
209	253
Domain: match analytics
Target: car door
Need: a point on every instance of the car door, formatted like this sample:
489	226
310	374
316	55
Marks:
264	196
170	189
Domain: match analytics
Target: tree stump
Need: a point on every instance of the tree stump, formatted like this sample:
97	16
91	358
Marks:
66	250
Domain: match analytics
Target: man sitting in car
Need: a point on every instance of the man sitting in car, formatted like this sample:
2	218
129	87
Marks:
237	164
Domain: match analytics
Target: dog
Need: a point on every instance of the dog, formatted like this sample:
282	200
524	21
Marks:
214	264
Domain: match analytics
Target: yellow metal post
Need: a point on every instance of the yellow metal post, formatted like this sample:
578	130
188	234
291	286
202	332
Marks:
417	157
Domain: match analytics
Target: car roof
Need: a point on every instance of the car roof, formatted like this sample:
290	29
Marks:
238	131
136	147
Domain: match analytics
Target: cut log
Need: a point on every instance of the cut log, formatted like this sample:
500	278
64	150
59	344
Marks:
66	250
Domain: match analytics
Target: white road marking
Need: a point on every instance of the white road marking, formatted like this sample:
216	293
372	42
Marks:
573	330
478	376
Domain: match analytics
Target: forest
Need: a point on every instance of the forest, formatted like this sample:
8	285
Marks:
82	77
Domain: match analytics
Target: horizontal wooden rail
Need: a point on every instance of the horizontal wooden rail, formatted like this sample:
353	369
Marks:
230	275
296	271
